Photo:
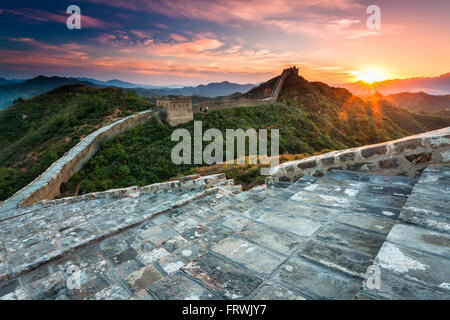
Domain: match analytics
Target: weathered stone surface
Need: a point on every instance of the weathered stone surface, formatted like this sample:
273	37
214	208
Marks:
248	255
390	163
381	200
373	209
143	278
115	292
179	287
296	225
366	222
375	150
396	288
306	164
366	242
352	262
274	291
420	238
347	156
320	199
295	208
210	243
316	281
271	238
414	265
224	278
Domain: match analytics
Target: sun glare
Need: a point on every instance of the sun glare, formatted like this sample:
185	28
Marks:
370	75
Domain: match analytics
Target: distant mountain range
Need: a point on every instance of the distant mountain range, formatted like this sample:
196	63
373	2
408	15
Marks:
417	101
431	85
10	90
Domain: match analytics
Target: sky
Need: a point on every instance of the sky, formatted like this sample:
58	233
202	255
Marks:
189	42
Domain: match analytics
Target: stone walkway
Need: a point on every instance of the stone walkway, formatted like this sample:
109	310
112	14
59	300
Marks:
311	239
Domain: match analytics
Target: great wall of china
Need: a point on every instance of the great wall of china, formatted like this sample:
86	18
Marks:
406	156
312	231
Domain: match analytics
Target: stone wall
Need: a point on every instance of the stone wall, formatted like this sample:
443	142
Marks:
211	105
406	156
47	185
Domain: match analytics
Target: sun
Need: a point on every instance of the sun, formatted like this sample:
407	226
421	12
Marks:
370	75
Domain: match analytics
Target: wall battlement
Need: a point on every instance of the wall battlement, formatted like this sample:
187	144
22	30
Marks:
406	157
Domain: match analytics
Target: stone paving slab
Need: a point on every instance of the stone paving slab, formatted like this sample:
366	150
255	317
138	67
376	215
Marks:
272	238
367	222
275	291
414	265
295	208
320	199
315	281
420	238
228	280
296	225
248	255
357	239
349	261
393	287
180	287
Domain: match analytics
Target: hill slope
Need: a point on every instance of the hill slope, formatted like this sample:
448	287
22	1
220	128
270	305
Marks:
32	87
418	102
37	131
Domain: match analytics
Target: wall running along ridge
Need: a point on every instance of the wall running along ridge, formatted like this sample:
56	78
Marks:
47	185
206	106
407	156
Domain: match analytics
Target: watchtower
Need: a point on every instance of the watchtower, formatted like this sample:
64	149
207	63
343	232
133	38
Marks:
179	110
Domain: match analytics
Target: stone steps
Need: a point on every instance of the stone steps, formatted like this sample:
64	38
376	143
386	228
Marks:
414	261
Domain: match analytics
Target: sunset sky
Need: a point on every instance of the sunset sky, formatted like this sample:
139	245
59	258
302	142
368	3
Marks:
188	42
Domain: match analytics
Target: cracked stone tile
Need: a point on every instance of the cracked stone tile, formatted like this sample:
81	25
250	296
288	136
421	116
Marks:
317	281
297	225
366	242
352	262
224	278
179	287
142	279
270	237
247	254
275	291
